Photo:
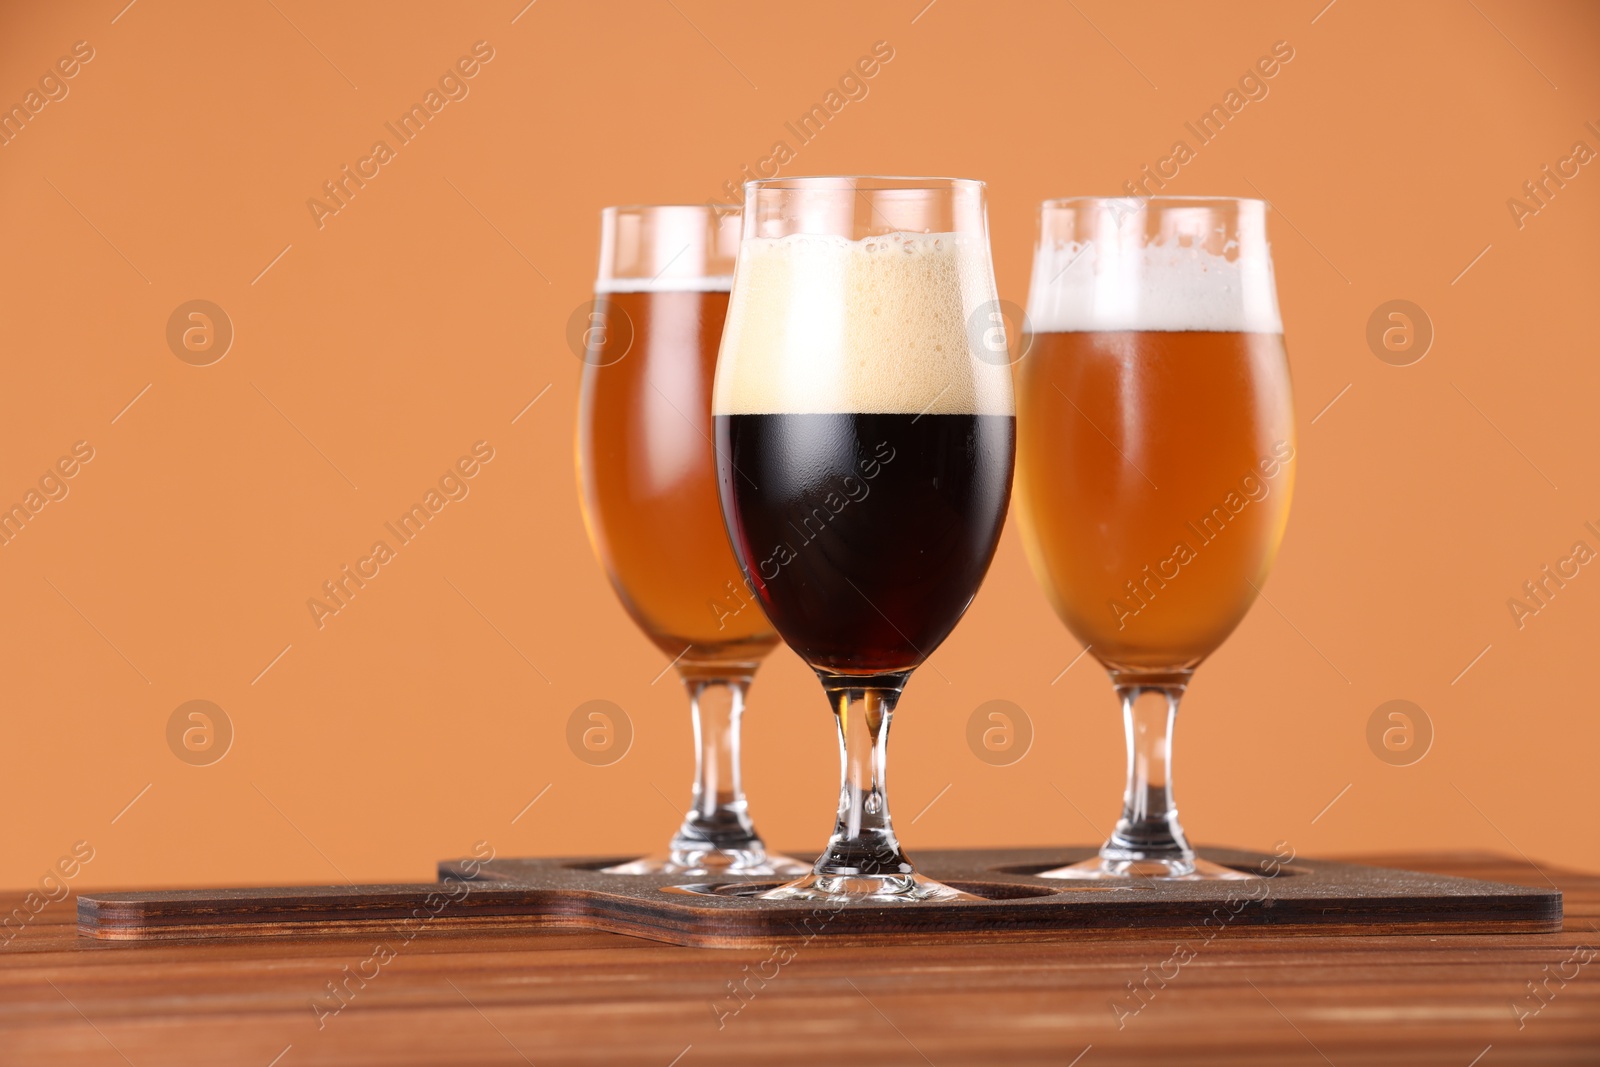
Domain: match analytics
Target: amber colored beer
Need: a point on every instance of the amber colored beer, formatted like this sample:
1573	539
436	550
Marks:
1154	473
649	478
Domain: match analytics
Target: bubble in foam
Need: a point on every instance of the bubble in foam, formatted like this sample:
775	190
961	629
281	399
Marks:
821	324
1171	285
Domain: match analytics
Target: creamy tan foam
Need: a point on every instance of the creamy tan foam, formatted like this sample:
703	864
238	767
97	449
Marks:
826	325
1105	285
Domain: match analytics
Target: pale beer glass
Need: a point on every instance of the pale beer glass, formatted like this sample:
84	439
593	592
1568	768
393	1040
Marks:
648	480
1155	464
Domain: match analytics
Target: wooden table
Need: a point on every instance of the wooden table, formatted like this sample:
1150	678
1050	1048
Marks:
554	998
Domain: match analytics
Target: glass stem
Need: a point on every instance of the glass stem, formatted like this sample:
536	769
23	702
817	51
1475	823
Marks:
1149	827
863	842
718	819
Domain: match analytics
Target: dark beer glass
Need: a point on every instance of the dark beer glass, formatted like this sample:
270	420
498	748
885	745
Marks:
1155	464
647	477
864	452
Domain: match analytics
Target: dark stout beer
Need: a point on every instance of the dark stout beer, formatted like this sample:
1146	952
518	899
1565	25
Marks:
864	462
865	452
865	535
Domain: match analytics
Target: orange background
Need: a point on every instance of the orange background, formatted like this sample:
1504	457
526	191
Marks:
428	312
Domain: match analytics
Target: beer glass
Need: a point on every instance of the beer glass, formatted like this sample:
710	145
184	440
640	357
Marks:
864	454
647	478
1155	464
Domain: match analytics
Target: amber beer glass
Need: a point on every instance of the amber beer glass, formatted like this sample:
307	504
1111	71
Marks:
648	480
1155	463
864	451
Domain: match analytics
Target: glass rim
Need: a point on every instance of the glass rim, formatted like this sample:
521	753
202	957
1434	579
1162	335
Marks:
717	208
1182	201
867	183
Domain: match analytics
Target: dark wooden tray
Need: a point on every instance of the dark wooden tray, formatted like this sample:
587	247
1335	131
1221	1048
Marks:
1317	896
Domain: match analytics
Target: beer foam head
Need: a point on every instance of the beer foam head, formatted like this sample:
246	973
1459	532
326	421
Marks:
1173	285
716	283
825	325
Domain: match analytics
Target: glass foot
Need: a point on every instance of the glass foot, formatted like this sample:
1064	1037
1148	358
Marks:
714	863
1173	870
866	889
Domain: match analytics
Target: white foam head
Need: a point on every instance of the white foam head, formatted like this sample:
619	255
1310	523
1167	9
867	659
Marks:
1122	279
719	283
826	325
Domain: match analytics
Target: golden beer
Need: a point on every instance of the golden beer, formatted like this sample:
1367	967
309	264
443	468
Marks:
1155	465
649	476
1155	471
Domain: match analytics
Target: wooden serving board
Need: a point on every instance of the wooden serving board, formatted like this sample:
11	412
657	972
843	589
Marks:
1318	896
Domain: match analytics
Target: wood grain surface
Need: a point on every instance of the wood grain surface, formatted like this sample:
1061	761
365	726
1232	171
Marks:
1012	904
554	997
